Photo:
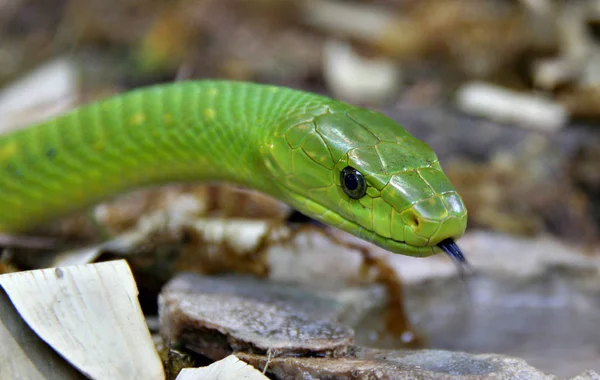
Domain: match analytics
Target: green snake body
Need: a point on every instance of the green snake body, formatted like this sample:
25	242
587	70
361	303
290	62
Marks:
286	143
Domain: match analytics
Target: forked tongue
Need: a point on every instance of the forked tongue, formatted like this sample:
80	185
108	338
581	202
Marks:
452	250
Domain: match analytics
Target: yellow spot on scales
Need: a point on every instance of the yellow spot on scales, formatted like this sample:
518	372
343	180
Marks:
137	119
209	113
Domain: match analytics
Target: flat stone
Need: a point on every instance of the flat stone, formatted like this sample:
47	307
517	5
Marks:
216	316
374	364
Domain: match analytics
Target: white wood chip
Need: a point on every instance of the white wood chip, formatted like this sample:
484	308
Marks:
47	91
88	314
23	355
503	105
242	235
229	368
359	79
351	19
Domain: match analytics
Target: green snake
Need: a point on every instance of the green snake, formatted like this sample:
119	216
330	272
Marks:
348	167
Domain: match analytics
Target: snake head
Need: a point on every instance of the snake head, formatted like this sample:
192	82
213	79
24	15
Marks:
362	172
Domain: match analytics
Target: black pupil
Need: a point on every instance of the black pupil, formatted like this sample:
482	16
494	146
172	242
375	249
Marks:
351	181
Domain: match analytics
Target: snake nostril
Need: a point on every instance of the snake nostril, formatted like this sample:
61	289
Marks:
411	220
415	221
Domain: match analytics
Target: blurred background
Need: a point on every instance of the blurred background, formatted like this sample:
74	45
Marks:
506	91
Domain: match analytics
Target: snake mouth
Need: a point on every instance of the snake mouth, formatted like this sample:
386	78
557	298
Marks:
331	217
399	246
316	210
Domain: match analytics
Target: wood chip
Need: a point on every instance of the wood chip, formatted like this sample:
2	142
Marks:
230	368
359	79
23	355
89	315
47	91
507	106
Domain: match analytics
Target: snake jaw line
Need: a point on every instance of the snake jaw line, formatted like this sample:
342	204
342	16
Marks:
327	216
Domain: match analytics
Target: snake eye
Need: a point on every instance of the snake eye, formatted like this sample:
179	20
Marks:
353	183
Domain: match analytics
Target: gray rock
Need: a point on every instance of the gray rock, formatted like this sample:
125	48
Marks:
303	333
374	364
214	316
